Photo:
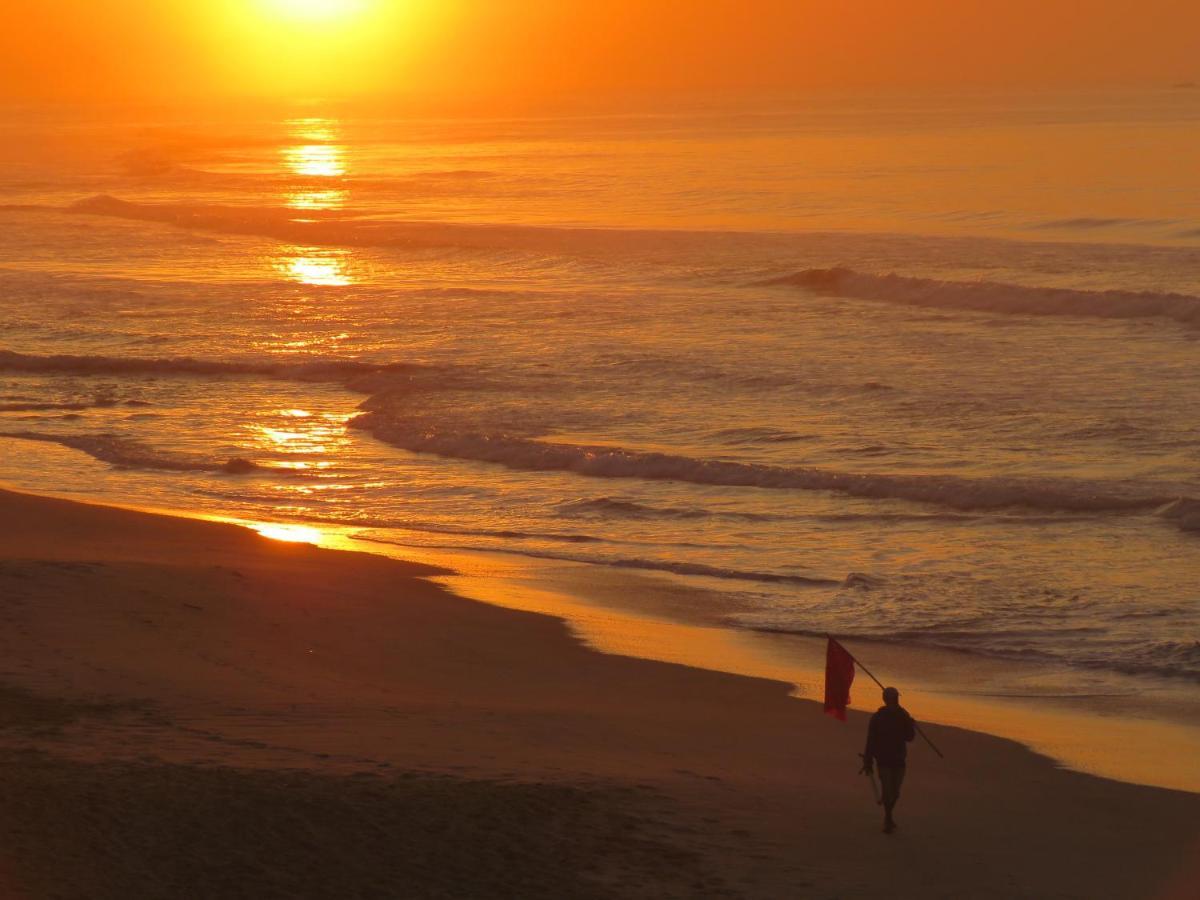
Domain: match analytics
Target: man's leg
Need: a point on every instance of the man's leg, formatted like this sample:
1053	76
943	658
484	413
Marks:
890	780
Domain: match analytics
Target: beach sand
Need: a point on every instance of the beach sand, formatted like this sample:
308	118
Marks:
189	709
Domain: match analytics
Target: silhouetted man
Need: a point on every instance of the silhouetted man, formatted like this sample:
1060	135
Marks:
888	735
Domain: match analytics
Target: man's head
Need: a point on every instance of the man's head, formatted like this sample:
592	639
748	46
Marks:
891	696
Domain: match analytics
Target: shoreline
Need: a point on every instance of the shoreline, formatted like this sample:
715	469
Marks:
1122	736
1098	734
183	648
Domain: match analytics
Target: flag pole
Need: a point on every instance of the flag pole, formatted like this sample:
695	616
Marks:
881	687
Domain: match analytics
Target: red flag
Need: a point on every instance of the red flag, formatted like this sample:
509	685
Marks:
839	675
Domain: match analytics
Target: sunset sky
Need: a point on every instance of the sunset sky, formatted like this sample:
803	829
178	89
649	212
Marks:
528	50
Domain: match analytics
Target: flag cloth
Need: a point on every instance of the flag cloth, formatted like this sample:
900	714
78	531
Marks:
839	675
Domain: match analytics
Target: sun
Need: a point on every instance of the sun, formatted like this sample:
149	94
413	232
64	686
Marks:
316	10
309	49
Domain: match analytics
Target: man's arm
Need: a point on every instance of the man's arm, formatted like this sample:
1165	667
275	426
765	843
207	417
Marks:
910	728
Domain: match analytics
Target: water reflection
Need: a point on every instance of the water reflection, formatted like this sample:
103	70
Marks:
315	151
294	533
316	160
307	437
314	128
323	268
306	199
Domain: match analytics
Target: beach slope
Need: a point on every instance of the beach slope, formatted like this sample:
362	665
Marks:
189	709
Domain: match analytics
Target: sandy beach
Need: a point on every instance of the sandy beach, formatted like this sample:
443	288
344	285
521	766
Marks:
193	710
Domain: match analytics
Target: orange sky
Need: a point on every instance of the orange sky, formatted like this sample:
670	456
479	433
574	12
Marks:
527	50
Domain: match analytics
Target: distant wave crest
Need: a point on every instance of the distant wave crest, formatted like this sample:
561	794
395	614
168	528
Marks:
340	228
995	297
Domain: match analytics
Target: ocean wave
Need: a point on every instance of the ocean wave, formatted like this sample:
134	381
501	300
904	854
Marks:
951	491
362	228
125	453
655	565
1092	223
761	435
46	407
332	370
629	509
1184	512
1164	658
506	533
340	228
995	297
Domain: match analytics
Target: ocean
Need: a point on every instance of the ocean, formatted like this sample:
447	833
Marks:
915	370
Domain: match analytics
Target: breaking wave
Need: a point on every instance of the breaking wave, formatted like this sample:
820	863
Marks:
530	454
659	565
342	228
955	492
1184	512
994	297
47	407
334	370
129	454
606	507
1165	659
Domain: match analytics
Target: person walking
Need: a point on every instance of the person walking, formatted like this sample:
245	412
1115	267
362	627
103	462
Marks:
888	735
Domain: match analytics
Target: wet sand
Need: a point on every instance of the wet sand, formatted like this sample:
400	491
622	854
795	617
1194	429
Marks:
192	710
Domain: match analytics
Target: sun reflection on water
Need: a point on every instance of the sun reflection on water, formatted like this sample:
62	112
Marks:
321	268
313	129
316	160
315	151
302	442
291	533
316	200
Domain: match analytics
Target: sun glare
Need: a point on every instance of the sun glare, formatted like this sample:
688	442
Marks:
298	534
318	49
316	10
317	160
322	271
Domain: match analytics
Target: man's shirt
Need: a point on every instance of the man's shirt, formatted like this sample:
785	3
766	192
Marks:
888	735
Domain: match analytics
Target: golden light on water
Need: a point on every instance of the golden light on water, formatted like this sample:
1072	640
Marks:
314	440
316	160
321	270
317	200
314	151
284	438
313	129
302	440
292	533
